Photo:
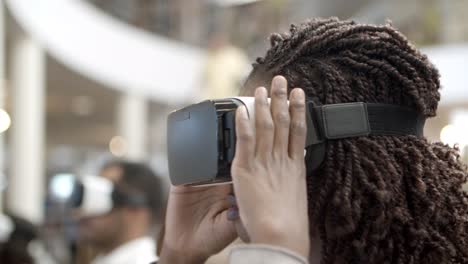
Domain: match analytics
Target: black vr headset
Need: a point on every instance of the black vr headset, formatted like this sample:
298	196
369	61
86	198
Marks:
201	138
96	195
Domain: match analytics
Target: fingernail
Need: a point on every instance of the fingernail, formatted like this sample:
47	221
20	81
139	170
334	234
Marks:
279	81
299	93
232	214
261	92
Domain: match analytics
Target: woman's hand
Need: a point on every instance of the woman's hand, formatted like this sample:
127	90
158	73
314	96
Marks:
268	170
197	224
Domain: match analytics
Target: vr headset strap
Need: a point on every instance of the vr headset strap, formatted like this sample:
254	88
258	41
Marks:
125	198
339	121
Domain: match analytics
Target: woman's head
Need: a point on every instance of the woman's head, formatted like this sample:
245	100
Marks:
379	199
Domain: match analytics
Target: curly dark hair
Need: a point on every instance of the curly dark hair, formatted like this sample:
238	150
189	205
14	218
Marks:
376	199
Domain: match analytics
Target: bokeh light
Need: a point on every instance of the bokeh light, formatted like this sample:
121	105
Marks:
61	186
118	146
5	121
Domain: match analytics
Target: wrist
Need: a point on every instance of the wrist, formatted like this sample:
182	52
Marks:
296	246
171	256
298	242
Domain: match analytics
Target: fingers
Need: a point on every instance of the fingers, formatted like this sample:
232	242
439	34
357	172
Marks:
222	225
233	215
280	114
298	127
264	128
245	145
278	129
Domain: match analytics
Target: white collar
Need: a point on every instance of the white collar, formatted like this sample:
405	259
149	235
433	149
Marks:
141	250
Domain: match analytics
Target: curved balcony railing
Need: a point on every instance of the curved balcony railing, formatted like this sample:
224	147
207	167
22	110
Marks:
111	52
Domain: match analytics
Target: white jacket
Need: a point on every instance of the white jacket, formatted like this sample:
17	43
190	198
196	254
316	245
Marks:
138	251
263	254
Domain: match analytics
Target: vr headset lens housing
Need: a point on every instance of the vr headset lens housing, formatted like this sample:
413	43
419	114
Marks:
201	137
201	140
92	196
96	195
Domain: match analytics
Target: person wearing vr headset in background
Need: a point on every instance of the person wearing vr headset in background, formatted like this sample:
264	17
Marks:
124	233
394	198
21	242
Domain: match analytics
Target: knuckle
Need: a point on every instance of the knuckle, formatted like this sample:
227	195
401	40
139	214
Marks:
298	127
298	106
245	137
278	157
266	125
242	119
281	93
239	169
282	118
262	103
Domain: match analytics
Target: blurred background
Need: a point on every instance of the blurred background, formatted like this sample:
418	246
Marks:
82	82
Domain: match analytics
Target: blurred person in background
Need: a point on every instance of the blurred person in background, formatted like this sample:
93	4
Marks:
375	199
15	236
225	69
125	234
20	242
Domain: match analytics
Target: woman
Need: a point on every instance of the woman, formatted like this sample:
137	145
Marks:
375	199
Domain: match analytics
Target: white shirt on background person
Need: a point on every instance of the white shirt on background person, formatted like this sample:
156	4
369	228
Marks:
138	251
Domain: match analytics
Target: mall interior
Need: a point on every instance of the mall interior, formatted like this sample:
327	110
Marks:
88	81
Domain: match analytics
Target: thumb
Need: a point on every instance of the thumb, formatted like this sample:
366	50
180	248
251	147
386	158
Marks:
241	231
224	227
